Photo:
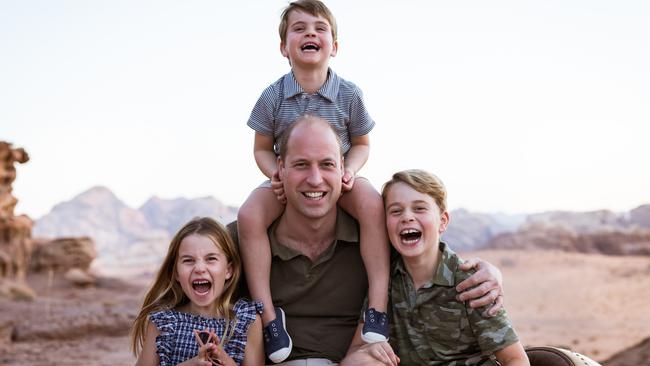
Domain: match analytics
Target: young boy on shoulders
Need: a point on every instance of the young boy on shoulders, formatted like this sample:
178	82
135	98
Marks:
429	325
308	39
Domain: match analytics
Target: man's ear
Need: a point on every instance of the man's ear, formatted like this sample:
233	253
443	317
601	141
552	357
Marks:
444	221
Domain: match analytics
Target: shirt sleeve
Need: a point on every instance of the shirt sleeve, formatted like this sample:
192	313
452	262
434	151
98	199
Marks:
360	121
492	333
262	118
165	322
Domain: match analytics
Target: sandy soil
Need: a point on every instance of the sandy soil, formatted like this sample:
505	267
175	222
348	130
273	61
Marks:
593	304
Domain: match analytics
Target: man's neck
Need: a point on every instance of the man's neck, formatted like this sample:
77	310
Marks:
312	79
309	236
422	268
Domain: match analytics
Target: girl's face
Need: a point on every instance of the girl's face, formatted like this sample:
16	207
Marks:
202	268
413	221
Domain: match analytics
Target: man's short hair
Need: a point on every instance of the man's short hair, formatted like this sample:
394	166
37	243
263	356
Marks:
423	182
312	7
305	118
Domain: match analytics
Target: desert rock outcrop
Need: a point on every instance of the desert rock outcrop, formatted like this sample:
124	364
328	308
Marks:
15	231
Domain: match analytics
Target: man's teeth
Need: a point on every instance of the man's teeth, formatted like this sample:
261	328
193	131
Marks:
314	194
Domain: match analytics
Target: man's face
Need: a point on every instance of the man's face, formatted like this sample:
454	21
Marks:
312	170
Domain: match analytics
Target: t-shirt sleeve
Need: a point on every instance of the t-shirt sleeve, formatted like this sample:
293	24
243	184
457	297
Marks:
492	333
360	121
262	118
165	322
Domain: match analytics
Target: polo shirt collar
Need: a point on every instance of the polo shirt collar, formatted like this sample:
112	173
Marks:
347	231
329	90
444	274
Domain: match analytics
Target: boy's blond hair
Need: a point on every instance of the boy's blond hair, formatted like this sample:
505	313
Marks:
313	7
423	182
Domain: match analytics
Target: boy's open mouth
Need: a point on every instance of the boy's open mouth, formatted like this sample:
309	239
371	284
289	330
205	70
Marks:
310	46
410	235
201	286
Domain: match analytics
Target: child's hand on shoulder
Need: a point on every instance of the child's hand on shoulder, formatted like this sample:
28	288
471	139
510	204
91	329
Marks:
348	180
278	187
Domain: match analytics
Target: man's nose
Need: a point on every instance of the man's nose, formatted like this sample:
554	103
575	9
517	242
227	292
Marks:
315	177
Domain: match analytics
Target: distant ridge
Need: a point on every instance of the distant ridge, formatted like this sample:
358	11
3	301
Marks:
124	235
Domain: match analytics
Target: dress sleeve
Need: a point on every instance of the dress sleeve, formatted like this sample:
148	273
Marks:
245	313
165	322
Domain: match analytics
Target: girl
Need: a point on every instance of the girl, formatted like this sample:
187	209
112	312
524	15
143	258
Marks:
191	295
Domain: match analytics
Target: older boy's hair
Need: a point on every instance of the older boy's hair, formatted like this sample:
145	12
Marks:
305	118
423	182
313	7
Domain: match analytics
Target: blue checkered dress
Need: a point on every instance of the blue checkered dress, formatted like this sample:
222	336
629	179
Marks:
176	342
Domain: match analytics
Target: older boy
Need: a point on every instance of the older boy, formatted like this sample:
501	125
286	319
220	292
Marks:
431	326
308	39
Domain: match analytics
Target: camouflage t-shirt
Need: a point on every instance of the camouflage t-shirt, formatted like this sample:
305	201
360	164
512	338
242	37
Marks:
431	327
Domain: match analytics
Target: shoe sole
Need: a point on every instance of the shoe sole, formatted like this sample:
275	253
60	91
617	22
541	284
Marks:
282	354
372	337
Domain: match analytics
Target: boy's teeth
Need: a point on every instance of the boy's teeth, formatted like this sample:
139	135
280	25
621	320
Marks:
314	194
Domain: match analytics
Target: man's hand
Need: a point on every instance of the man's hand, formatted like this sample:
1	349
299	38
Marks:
347	180
483	288
379	354
278	187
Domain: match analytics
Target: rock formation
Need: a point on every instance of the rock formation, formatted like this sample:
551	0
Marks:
15	231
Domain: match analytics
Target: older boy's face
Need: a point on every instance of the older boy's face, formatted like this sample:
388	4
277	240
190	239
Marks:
309	40
414	221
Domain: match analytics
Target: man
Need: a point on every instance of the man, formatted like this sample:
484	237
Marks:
317	274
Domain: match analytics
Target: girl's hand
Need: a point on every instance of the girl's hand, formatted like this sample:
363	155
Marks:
201	359
219	355
278	187
347	180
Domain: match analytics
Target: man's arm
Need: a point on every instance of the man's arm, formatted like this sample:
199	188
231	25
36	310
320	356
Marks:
483	288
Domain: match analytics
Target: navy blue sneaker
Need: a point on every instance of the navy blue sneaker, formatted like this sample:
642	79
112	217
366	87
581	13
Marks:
277	343
375	326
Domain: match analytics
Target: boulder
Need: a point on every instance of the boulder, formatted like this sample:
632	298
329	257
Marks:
63	254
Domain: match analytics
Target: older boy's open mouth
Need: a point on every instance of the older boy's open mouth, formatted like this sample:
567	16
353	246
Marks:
201	286
410	236
310	46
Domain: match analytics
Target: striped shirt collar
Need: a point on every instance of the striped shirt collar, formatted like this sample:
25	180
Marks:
329	90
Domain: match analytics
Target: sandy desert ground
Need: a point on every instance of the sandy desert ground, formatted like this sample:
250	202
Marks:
593	304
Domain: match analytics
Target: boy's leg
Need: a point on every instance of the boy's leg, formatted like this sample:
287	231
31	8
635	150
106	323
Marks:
253	220
364	203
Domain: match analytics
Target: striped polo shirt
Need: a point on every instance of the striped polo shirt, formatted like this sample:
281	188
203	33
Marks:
338	101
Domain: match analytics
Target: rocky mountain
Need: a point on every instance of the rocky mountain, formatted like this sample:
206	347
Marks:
471	230
124	236
600	231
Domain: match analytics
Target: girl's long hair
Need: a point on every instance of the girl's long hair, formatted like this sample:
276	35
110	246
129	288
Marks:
166	293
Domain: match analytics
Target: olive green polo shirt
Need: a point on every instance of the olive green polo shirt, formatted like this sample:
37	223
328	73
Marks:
431	327
321	299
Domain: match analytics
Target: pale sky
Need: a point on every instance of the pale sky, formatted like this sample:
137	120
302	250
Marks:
518	106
